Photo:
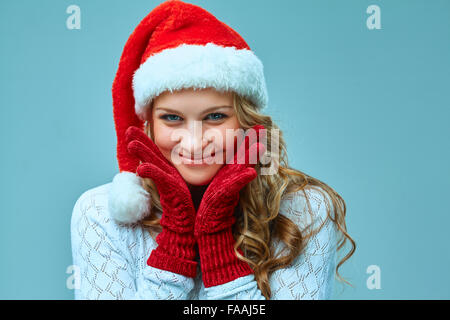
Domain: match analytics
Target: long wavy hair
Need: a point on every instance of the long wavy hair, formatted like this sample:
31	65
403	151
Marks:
258	222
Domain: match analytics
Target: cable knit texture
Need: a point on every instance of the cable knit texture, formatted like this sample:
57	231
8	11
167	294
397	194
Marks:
215	216
111	258
176	250
181	257
219	263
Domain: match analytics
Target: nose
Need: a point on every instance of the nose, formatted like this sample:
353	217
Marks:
193	143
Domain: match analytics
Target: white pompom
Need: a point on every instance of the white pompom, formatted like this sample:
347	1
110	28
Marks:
128	201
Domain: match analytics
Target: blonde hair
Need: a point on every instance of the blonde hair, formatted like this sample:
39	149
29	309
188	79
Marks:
260	222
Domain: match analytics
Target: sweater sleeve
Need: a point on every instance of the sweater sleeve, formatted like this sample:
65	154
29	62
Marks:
311	275
106	268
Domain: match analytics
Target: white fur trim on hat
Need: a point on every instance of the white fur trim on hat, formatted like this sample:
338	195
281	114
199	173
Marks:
198	66
128	201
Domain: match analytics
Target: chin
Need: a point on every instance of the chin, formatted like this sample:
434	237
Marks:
198	176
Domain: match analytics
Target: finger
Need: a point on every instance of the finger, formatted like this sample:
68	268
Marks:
230	177
134	133
240	157
149	170
235	183
162	180
250	156
141	151
245	178
229	170
255	152
255	134
260	131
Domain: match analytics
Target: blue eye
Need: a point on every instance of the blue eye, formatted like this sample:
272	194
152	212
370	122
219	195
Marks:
212	116
216	116
170	117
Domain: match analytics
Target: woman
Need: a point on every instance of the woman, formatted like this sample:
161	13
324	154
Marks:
190	215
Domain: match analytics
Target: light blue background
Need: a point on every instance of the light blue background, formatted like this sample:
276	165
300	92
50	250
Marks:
366	111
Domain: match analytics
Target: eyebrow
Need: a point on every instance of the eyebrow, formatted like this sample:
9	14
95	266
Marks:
205	111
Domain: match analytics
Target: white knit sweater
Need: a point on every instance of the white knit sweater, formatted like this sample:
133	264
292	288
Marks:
111	257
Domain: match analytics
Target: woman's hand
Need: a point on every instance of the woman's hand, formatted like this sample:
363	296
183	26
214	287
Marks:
176	250
222	195
215	216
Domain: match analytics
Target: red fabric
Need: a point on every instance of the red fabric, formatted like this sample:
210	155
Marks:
211	226
168	25
215	216
175	253
218	260
176	243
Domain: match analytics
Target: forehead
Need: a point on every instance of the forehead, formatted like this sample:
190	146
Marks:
193	98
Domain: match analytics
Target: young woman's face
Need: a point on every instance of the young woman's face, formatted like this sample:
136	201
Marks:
191	125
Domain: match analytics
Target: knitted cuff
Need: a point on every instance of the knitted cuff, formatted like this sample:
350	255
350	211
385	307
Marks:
218	261
170	263
175	253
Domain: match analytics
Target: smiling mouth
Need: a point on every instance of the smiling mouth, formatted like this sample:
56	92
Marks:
199	161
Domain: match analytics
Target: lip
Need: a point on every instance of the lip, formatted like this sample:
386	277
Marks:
190	162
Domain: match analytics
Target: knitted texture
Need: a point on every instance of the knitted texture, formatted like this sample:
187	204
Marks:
215	216
176	250
179	45
175	253
176	46
112	257
219	262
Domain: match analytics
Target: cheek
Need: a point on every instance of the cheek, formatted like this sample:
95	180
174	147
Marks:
202	174
162	136
230	141
227	141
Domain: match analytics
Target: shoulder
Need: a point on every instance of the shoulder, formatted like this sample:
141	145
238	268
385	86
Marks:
90	215
306	207
310	275
92	203
96	236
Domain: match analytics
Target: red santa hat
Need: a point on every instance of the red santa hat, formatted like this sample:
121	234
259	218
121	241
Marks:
177	45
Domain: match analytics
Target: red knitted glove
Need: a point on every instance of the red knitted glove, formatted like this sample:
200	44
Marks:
215	216
176	242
